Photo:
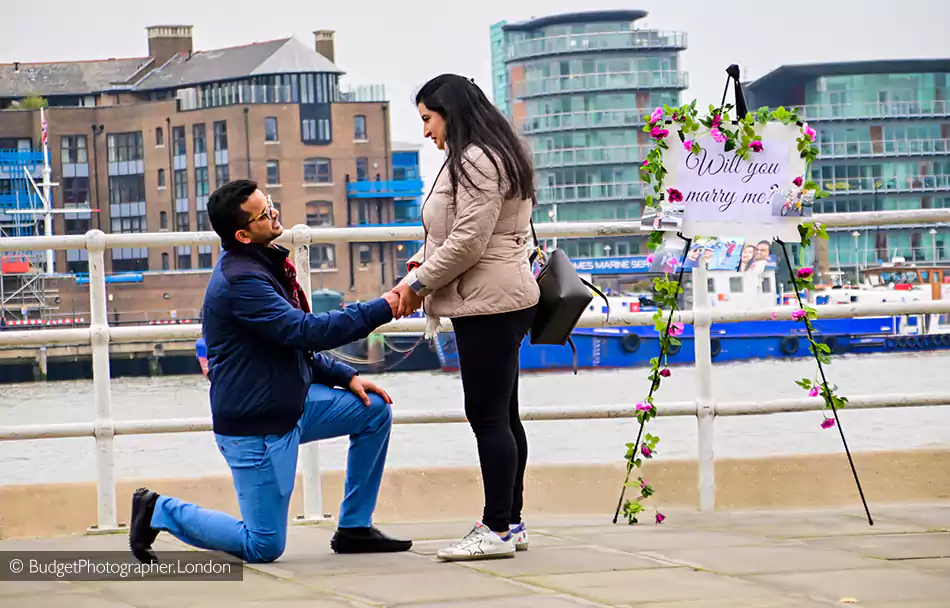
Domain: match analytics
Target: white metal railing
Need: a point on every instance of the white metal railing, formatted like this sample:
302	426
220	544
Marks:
892	109
595	41
552	85
99	334
887	147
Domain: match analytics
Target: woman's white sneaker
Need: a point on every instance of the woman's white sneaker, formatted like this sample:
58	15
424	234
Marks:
520	534
480	543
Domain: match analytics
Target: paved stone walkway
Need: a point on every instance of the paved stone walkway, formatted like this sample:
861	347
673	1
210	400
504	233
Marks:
734	559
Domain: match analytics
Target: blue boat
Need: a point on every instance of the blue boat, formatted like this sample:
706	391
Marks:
620	347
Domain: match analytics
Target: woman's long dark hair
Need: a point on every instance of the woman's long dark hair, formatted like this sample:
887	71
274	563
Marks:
471	119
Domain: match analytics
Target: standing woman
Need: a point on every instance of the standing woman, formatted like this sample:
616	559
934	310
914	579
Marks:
474	269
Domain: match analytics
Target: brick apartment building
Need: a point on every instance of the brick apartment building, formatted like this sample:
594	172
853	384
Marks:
144	141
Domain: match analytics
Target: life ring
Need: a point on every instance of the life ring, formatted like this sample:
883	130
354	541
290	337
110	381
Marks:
715	346
831	342
945	339
630	343
890	343
913	342
673	350
789	345
902	342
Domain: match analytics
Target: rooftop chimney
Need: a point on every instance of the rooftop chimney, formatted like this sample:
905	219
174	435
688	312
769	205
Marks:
324	43
166	41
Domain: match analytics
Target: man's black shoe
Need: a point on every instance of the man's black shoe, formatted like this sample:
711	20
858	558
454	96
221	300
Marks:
366	540
141	532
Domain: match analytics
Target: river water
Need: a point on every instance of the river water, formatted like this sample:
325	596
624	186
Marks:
573	441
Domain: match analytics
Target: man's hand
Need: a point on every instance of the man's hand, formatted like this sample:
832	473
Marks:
393	300
360	387
409	301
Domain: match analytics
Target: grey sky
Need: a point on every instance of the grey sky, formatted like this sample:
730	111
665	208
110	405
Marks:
403	43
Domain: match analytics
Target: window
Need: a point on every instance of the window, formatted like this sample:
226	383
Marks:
165	262
159	136
124	147
201	181
319	213
362	169
359	128
317	171
130	259
74	149
76	190
161	178
181	184
222	175
204	256
182	222
184	258
735	285
366	256
179	147
273	173
309	129
220	136
322	256
270	129
201	139
204	222
79	222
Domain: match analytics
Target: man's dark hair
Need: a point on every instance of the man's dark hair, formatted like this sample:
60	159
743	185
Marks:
224	209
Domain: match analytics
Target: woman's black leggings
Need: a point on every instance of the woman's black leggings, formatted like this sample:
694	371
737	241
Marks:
488	349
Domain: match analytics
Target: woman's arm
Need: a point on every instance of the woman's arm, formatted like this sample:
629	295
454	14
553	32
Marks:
477	211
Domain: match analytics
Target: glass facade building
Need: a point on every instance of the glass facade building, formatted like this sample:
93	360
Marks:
884	135
577	86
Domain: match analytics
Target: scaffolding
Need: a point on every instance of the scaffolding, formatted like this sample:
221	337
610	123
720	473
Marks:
24	292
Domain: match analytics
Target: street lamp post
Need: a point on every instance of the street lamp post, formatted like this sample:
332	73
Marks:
933	240
857	278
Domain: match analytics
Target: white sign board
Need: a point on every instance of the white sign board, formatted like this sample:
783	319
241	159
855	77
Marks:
724	194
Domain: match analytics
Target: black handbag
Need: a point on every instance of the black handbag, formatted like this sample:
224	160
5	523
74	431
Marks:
564	298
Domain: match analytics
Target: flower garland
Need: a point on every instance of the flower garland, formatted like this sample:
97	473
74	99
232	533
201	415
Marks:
737	135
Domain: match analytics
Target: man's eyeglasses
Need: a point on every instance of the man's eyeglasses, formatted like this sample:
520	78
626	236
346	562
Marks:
268	213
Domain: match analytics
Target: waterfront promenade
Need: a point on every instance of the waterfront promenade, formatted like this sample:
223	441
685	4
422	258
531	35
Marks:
735	559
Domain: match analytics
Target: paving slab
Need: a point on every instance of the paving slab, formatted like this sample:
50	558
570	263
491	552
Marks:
891	546
534	601
867	586
650	539
635	587
932	565
564	560
758	560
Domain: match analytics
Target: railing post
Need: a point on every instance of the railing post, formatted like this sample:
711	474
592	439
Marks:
309	452
102	395
705	402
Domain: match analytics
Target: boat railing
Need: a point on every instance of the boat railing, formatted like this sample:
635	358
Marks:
705	407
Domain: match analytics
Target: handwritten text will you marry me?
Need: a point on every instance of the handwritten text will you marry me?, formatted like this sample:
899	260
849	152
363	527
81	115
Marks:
704	165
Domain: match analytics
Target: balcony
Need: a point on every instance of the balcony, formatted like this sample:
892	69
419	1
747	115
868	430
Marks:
872	185
588	119
368	93
871	111
607	81
886	148
593	42
589	193
398	189
568	157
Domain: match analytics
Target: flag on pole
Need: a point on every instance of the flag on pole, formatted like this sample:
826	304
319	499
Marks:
45	126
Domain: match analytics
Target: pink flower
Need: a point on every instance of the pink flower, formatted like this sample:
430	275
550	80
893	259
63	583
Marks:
805	273
656	116
658	133
813	392
688	144
717	120
665	373
756	146
660	517
774	316
809	132
650	259
797	181
675	195
676	329
646	163
718	135
799	314
644	407
646	451
827	423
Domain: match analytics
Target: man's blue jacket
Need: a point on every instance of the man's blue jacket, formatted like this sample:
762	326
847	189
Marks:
263	353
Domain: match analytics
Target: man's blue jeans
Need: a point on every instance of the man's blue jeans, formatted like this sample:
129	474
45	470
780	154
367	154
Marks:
264	470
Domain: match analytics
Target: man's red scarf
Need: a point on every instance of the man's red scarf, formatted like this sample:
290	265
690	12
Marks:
297	297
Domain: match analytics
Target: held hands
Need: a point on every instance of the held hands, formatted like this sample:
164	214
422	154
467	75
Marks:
361	388
402	300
